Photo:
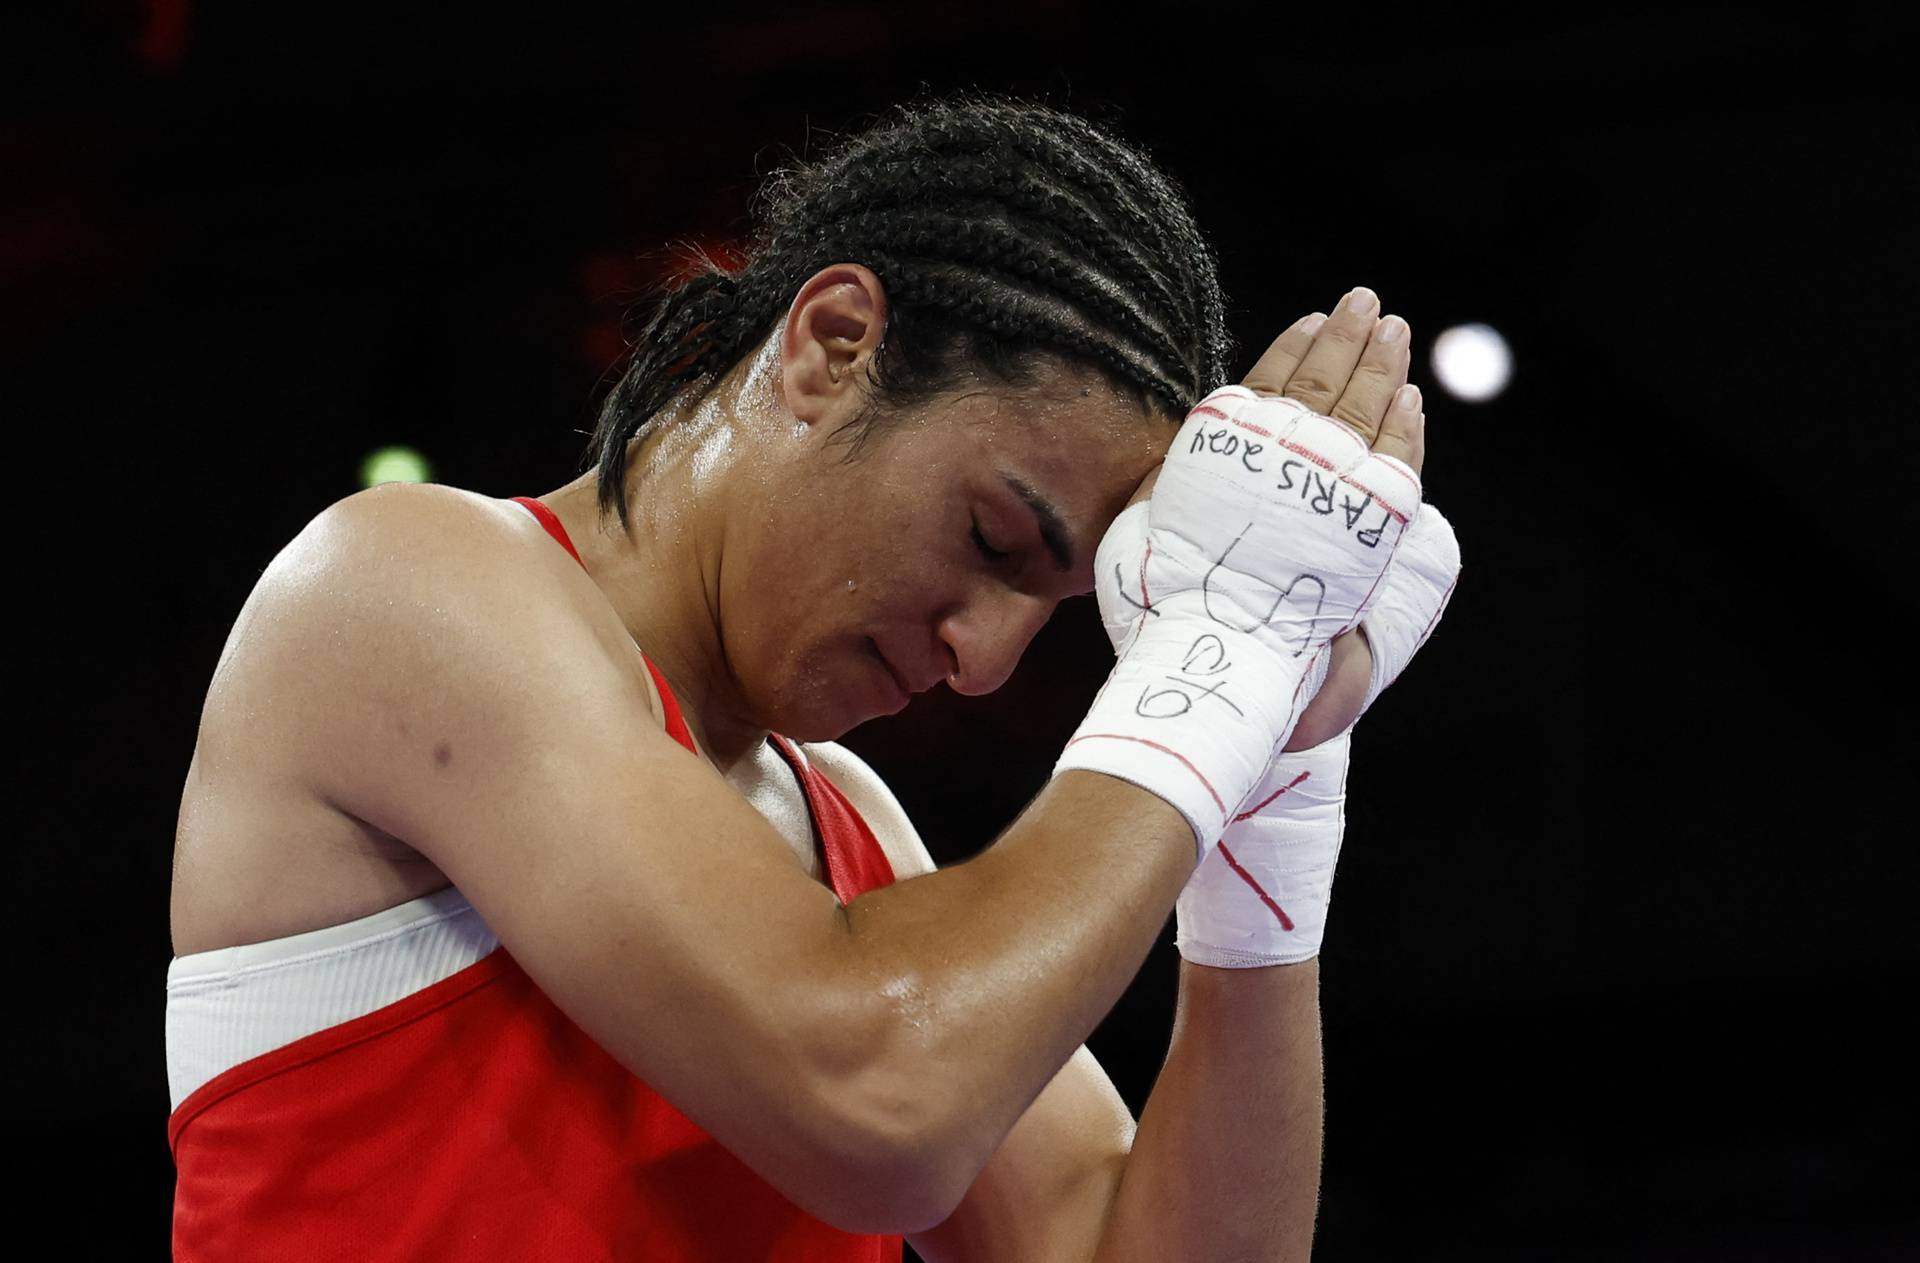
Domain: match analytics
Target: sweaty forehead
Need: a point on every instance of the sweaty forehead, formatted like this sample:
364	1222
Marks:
1071	435
1078	414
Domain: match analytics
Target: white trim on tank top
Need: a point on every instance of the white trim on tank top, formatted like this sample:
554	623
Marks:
227	1006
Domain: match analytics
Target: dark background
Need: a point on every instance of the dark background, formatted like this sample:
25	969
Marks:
1625	924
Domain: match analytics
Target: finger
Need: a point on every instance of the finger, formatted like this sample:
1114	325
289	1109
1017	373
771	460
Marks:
1329	362
1270	374
1403	432
1382	371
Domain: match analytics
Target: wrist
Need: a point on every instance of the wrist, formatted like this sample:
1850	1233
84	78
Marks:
1262	897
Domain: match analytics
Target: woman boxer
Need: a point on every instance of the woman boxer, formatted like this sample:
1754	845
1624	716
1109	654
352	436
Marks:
506	925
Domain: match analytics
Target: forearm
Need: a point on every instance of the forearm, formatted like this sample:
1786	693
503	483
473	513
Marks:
990	973
1226	1162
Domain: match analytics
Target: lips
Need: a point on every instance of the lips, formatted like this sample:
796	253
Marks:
898	682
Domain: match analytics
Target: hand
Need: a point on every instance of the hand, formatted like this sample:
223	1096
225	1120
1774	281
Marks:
1350	366
1340	367
1267	534
1343	368
1261	898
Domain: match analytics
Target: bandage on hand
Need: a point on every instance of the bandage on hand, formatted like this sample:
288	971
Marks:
1266	536
1261	898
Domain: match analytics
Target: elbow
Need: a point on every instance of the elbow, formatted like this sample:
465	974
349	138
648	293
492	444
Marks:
863	1140
895	1149
887	1184
897	1160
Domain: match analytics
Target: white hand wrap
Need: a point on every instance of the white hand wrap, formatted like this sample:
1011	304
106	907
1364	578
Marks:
1419	584
1266	536
1262	897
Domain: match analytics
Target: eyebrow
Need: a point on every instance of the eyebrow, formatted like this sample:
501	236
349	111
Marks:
1053	528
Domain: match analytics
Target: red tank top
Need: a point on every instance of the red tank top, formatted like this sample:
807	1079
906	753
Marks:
473	1120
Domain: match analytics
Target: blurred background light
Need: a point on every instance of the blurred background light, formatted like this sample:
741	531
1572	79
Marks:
1472	362
395	464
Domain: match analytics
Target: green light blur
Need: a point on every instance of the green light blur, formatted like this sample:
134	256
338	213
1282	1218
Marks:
395	464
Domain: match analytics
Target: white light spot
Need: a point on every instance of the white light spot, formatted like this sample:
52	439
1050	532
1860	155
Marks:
1472	362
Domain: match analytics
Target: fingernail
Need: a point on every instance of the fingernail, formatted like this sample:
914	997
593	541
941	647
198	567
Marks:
1312	326
1361	301
1392	329
1409	397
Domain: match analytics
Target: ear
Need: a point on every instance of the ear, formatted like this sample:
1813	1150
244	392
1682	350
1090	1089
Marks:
834	325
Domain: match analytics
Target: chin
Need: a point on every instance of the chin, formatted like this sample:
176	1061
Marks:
820	707
831	691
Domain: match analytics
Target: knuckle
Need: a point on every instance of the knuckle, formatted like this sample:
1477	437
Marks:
1309	387
1356	418
1372	389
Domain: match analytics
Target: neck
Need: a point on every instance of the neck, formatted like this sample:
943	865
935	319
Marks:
662	576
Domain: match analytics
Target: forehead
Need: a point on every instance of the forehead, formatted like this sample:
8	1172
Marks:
1074	440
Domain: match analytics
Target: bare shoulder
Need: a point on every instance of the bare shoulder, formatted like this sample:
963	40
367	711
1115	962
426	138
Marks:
430	540
409	609
429	514
868	793
399	538
421	542
332	591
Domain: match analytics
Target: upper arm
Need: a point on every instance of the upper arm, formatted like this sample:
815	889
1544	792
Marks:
481	708
1045	1192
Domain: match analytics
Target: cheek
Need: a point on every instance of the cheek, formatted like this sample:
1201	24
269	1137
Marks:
900	557
901	544
808	592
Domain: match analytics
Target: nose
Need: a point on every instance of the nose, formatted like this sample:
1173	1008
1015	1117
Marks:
988	634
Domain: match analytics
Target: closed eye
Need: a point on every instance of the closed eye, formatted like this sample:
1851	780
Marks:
987	550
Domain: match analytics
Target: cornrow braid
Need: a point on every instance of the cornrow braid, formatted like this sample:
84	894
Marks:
975	185
996	244
1009	310
1005	232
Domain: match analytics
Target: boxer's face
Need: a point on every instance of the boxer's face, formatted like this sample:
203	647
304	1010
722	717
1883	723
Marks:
858	572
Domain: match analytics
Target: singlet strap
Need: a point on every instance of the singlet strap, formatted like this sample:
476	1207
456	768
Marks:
852	856
547	518
676	722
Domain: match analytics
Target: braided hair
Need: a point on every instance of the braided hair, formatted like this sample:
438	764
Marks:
1003	231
